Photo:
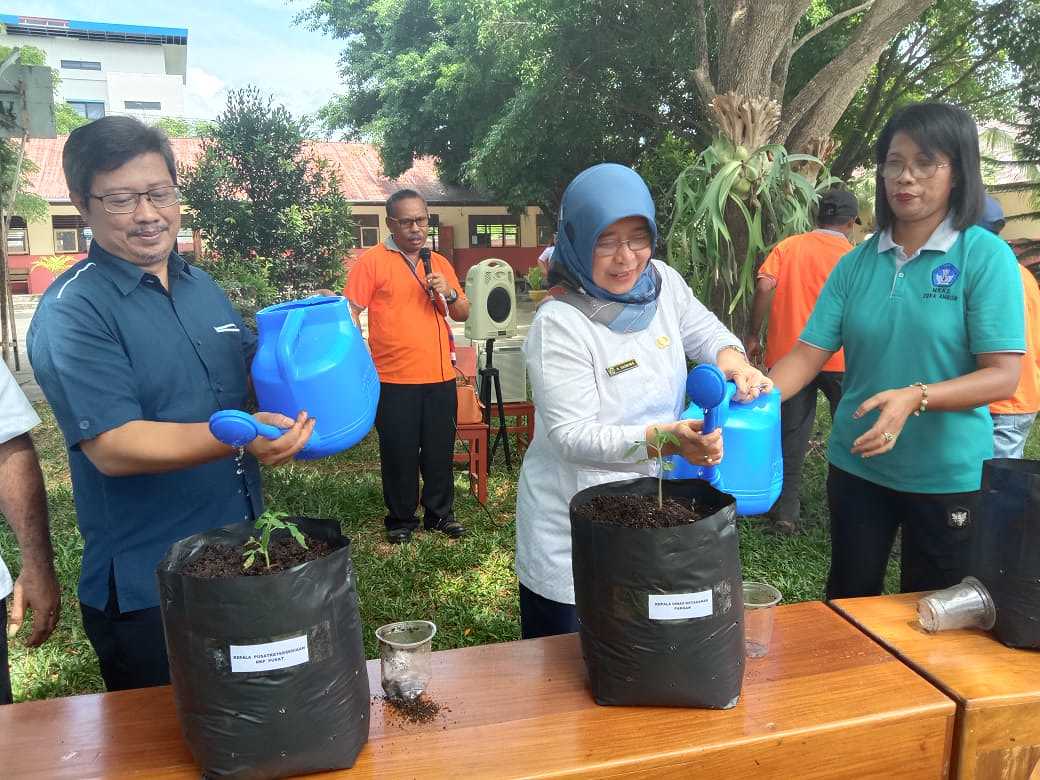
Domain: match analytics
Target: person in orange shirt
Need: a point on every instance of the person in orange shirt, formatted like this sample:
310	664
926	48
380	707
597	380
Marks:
1013	418
412	347
789	283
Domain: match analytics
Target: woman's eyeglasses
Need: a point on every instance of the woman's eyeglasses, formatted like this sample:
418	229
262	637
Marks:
609	247
919	169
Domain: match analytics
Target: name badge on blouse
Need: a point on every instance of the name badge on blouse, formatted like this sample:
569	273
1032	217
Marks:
621	368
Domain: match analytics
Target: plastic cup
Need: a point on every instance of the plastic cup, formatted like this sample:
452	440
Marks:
759	602
965	605
404	657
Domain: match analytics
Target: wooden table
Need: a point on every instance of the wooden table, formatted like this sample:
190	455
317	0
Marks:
997	689
827	702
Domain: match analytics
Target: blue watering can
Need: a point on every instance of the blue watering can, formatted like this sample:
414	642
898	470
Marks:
752	468
310	356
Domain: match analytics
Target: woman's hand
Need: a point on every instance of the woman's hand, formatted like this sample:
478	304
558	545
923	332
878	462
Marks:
895	407
750	382
698	448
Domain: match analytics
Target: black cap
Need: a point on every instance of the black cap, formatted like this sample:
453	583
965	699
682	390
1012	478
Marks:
837	206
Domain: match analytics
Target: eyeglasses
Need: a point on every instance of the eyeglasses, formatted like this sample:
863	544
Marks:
610	247
919	169
127	202
408	224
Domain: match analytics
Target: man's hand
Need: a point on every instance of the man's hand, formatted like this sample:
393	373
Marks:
436	282
753	347
37	589
275	452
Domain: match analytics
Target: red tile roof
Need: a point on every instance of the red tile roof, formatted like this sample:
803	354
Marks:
358	165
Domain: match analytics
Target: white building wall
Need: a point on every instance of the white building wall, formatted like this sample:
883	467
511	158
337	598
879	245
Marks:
168	91
129	71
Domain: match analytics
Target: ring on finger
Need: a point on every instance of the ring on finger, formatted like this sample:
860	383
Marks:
888	437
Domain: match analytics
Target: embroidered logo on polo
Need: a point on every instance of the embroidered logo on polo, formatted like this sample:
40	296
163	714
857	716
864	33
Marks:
945	275
229	327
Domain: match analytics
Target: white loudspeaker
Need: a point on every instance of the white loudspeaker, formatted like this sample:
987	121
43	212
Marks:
492	301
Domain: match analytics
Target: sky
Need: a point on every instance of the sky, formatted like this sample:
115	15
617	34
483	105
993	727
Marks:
231	43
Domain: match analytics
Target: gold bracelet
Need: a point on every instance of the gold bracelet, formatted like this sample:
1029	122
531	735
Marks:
924	398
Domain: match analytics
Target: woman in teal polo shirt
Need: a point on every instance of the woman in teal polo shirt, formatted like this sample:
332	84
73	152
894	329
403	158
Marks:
930	313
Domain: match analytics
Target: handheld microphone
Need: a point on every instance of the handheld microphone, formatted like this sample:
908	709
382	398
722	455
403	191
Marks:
424	255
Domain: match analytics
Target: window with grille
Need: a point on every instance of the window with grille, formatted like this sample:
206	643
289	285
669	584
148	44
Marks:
71	233
90	109
366	230
498	230
433	234
546	228
17	237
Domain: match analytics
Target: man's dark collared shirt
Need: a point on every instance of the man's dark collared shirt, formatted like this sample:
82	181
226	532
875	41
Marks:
109	345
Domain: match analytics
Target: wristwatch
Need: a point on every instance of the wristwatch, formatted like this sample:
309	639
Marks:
451	297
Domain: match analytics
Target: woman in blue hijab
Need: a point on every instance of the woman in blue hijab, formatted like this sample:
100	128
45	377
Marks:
606	356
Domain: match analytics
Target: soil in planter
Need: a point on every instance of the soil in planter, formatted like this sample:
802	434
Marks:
638	512
223	560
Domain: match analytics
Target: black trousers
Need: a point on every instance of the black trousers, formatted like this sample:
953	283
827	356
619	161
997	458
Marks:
5	672
540	616
797	415
416	425
936	536
130	646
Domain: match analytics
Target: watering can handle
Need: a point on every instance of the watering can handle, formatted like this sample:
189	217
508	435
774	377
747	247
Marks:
237	428
286	345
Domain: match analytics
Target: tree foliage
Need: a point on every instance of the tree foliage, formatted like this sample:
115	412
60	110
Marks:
516	96
176	127
268	208
969	52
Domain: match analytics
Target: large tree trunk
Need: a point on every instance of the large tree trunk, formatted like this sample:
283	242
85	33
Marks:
818	106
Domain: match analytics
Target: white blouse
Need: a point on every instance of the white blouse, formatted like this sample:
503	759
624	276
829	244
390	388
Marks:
594	393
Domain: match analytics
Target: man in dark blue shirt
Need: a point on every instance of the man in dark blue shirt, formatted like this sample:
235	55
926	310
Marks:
135	349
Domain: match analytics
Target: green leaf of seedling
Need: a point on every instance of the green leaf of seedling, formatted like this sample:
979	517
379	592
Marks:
297	534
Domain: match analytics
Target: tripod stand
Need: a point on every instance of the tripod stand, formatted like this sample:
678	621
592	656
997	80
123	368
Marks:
489	375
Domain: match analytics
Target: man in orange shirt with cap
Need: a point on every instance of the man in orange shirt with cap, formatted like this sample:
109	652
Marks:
789	282
1013	418
408	303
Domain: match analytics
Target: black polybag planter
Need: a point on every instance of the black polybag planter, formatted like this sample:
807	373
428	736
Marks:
260	722
1006	548
620	575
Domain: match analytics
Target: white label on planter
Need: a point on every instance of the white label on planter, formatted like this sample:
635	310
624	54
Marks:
270	655
680	606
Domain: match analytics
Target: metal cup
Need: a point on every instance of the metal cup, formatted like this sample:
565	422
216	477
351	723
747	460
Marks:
968	604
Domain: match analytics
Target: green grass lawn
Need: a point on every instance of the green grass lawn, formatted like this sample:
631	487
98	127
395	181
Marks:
467	587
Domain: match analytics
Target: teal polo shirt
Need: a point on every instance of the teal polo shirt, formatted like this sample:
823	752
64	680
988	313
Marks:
923	319
109	345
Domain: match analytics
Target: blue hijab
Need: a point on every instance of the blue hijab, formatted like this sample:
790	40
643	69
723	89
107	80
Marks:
598	197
